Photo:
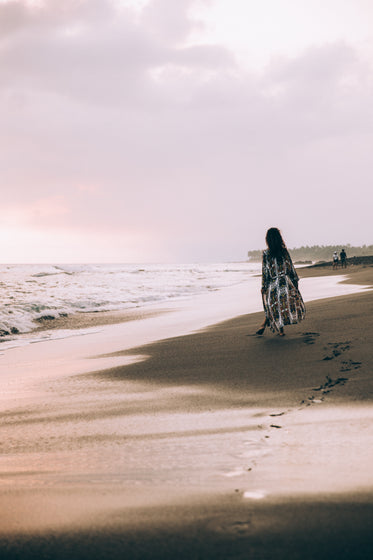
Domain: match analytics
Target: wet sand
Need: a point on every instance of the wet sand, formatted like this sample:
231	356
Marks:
218	444
80	320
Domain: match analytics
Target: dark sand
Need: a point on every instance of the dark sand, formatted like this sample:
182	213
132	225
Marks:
225	529
309	496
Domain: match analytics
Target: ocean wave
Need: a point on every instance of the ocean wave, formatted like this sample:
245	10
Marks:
42	274
34	295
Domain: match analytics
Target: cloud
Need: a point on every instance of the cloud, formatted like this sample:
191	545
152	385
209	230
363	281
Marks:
140	132
95	51
43	213
169	21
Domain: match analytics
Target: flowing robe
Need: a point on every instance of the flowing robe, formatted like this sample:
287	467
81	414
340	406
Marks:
282	300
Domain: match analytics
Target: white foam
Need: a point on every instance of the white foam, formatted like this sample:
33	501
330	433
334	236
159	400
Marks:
30	292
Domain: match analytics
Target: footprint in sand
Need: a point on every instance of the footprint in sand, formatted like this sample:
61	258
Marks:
312	400
350	365
337	348
238	471
310	337
239	527
329	383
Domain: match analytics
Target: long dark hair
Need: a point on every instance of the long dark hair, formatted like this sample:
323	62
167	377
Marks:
275	243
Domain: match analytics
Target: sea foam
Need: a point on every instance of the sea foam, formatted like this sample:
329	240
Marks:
31	293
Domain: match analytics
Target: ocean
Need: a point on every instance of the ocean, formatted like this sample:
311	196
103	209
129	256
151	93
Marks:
33	292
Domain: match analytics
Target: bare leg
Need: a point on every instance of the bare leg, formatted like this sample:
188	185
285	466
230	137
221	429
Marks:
262	327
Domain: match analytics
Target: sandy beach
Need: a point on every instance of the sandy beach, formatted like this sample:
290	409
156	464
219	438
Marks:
214	444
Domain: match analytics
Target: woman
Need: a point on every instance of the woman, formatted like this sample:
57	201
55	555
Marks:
282	301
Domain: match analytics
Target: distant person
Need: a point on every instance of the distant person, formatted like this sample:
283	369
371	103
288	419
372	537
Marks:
282	301
343	257
335	259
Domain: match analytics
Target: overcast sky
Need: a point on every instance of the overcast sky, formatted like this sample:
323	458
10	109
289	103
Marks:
180	130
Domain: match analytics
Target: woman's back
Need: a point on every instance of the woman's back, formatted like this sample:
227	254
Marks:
275	267
282	301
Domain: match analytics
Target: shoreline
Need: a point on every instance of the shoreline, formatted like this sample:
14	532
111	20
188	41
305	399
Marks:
255	444
83	321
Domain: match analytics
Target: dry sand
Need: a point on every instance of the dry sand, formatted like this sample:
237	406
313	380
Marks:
219	444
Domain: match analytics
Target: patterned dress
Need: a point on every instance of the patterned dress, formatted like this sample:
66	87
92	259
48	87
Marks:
282	301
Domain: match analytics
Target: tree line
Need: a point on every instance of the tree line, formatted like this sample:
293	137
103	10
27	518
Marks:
318	252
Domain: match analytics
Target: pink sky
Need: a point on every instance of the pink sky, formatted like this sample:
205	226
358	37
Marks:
181	131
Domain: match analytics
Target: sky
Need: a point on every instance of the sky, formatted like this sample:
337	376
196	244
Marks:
181	130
